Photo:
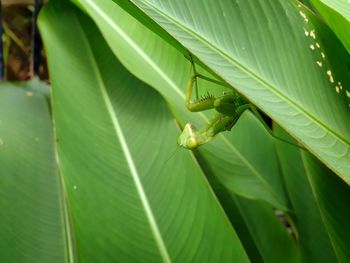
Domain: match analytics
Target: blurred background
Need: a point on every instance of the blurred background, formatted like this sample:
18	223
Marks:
21	53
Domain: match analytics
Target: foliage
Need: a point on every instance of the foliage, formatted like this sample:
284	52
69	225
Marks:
92	172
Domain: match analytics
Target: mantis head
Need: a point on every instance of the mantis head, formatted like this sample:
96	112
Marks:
188	138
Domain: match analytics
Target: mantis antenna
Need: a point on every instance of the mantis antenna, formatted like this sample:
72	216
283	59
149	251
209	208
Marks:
172	155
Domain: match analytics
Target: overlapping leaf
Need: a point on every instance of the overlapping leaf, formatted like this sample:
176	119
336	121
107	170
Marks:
319	199
136	46
337	15
115	134
234	156
264	237
272	52
341	6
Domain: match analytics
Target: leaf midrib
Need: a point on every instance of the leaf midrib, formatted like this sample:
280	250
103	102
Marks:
128	157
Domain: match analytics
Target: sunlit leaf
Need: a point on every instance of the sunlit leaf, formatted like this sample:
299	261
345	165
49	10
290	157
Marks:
337	15
247	170
128	202
278	55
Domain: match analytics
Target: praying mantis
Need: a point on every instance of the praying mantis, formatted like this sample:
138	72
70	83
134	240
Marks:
230	107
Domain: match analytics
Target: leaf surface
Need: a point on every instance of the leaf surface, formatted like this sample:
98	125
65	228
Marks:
247	170
115	135
337	15
319	200
33	215
265	49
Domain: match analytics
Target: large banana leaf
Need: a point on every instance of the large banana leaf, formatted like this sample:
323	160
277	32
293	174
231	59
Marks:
151	59
128	203
337	15
247	170
320	203
277	54
33	217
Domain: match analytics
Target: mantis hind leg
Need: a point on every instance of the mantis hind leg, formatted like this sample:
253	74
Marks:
267	128
194	77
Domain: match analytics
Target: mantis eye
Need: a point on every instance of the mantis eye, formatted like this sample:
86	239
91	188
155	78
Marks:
192	143
188	137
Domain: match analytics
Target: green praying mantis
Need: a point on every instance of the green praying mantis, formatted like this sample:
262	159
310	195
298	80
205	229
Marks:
230	107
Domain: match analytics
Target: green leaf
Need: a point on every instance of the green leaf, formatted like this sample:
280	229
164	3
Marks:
333	197
320	200
265	50
337	15
341	6
264	237
33	216
115	135
234	156
262	231
231	210
274	242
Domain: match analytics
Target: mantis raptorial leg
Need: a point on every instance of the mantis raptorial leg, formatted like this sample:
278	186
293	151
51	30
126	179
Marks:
229	106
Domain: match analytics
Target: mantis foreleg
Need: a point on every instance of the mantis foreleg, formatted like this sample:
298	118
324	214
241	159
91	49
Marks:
229	106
